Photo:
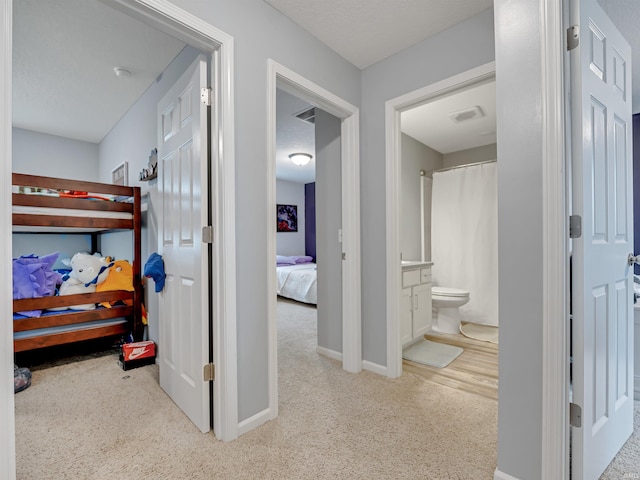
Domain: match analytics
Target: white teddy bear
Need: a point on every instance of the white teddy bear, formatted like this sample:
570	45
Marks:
87	271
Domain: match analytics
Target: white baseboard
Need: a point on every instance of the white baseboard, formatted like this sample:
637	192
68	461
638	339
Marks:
375	368
254	422
498	475
329	353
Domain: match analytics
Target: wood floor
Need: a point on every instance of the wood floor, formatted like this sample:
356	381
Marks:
474	371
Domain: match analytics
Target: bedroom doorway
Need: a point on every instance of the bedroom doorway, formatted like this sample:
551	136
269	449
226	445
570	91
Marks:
341	119
206	38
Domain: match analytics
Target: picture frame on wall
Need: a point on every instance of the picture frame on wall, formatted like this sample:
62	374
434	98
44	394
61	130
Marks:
120	174
287	218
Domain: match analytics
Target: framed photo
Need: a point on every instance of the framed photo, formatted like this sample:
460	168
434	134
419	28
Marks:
287	218
120	174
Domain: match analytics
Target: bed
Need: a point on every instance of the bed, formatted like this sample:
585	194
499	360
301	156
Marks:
297	279
55	205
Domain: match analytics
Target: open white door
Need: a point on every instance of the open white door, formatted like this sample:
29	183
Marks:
602	290
183	194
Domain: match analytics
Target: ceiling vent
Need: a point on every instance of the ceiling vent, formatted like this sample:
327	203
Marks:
308	115
466	114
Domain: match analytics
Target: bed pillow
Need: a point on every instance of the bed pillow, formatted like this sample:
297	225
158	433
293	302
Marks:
303	259
284	260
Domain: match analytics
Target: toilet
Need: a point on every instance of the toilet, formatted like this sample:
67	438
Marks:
446	303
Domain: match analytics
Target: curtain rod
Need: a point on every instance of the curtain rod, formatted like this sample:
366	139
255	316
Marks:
424	172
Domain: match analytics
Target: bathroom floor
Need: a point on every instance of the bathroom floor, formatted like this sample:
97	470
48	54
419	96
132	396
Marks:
474	371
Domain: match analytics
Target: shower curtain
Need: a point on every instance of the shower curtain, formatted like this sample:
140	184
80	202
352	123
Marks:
464	237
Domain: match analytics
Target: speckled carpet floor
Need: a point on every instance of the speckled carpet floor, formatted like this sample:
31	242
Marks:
92	420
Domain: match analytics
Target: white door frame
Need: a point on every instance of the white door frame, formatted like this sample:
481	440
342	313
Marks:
393	110
281	77
187	27
175	21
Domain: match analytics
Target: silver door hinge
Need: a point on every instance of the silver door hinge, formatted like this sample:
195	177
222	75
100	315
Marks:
344	256
209	372
573	37
575	415
205	96
207	234
575	226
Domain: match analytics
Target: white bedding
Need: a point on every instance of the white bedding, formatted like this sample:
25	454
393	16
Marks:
298	282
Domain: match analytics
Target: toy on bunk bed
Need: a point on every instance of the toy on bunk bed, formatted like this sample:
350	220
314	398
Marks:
87	272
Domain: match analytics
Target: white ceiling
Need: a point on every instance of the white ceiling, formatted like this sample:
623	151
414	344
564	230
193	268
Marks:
293	136
432	125
65	52
367	31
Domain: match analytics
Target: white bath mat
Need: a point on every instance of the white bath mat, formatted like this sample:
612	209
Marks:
430	353
485	333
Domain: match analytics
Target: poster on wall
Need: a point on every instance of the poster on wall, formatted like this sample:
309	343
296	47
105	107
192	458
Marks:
287	218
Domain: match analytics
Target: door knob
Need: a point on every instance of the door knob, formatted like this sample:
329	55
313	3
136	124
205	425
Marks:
633	259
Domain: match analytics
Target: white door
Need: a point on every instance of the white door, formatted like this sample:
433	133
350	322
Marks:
421	309
183	195
602	292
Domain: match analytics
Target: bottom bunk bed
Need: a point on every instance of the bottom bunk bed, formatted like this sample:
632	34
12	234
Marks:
67	326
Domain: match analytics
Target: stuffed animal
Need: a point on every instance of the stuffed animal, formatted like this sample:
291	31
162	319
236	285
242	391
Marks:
34	277
87	271
120	278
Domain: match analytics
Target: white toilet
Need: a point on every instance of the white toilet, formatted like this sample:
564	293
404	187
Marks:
447	302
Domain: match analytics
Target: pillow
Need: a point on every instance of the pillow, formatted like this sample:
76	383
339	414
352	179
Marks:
284	260
303	259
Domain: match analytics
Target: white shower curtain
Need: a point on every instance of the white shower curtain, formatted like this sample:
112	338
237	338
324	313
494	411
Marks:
464	237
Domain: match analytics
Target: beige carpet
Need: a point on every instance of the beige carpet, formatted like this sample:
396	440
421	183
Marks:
91	420
485	333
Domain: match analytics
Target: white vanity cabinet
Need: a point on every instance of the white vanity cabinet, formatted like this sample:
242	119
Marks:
415	301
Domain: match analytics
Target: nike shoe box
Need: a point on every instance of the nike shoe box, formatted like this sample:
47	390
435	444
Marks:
137	354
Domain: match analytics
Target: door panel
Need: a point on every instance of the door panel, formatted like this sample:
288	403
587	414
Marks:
602	297
183	191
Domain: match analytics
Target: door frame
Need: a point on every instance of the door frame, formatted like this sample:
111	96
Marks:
393	166
282	77
189	28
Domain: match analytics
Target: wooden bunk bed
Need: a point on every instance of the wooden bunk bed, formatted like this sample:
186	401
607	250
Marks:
34	213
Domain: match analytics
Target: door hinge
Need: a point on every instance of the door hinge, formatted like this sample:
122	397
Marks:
344	256
207	234
575	415
573	37
209	372
205	96
575	226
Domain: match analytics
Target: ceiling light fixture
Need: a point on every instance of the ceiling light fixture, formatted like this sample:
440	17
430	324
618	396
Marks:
300	158
122	72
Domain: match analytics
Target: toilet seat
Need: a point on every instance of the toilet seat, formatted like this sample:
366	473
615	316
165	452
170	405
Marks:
449	292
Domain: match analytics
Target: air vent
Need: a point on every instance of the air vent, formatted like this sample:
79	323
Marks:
308	115
466	114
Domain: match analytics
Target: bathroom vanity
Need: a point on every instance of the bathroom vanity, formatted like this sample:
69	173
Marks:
415	302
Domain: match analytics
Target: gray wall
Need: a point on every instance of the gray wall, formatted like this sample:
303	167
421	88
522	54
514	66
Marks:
416	156
328	222
52	156
471	155
458	49
41	154
260	32
520	201
291	193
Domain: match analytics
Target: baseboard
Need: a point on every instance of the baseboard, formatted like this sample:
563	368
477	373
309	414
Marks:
375	368
498	475
254	422
329	353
